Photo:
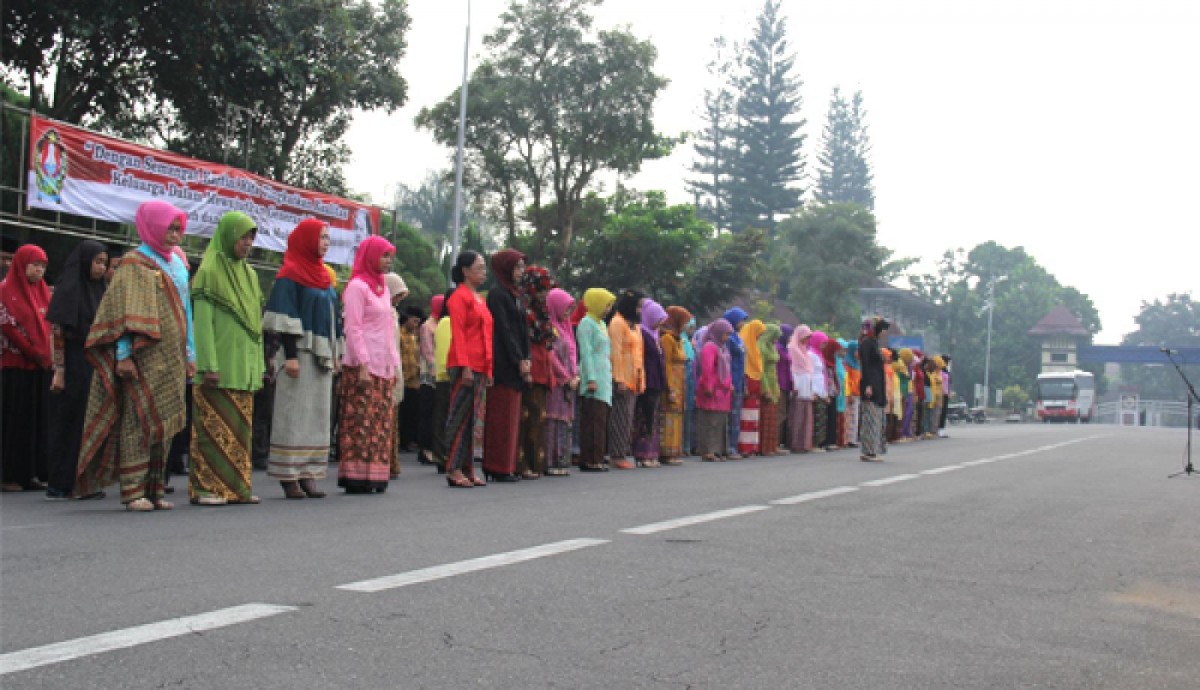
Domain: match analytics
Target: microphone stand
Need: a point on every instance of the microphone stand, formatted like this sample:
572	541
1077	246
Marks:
1188	469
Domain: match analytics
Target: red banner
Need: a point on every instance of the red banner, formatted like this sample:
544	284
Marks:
77	171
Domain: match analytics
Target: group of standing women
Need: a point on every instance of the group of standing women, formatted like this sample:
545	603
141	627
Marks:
526	379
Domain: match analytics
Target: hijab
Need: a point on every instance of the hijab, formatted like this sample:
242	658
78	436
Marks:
27	302
749	335
817	342
302	261
536	284
653	315
395	284
598	301
713	334
366	262
580	312
627	306
852	356
504	262
152	220
333	283
770	360
783	368
435	306
227	281
678	319
698	338
829	350
799	354
76	295
735	316
561	303
906	356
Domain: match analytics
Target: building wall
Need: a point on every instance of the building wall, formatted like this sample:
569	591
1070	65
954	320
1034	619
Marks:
1060	353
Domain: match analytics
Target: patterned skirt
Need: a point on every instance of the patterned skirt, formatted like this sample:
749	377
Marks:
748	441
800	425
768	427
820	422
365	440
300	424
647	421
712	430
872	429
853	405
620	425
673	425
465	412
222	425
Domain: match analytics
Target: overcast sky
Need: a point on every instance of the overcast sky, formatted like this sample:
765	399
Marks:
1071	128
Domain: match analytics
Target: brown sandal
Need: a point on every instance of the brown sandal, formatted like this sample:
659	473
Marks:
139	505
310	488
292	490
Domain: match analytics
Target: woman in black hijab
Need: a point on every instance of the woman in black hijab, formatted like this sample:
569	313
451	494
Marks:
72	309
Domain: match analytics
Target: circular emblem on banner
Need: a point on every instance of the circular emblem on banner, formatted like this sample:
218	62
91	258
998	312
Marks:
50	168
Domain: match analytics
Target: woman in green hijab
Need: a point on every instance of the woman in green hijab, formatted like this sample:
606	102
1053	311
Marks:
229	365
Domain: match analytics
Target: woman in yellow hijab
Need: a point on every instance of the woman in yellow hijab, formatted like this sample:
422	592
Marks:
748	439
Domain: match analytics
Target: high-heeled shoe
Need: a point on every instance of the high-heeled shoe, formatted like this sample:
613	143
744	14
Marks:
310	488
292	490
459	482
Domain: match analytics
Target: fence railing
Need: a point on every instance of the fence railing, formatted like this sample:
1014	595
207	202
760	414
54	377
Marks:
1148	413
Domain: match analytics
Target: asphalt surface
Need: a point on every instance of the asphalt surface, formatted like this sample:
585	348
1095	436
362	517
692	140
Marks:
1066	559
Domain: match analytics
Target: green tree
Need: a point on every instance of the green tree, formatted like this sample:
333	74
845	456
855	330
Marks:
665	250
843	165
769	166
553	104
167	73
715	144
417	263
1028	293
824	255
430	207
1173	322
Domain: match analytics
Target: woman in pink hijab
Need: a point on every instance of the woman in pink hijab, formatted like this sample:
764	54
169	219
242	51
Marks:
800	412
369	370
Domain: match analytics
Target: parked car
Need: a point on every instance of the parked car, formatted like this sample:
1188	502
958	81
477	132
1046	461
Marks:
977	415
957	412
1013	418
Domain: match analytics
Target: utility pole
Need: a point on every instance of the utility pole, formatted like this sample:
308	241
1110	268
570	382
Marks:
987	358
462	130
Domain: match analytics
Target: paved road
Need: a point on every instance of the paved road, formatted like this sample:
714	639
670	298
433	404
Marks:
1006	556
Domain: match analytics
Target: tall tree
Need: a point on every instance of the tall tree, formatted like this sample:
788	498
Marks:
843	164
430	207
827	253
715	144
1029	292
167	72
1173	322
666	250
769	166
554	103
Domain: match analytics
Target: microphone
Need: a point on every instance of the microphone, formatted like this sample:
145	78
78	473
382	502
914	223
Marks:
1167	351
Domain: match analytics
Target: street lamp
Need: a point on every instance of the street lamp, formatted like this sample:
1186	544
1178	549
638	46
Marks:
987	358
462	129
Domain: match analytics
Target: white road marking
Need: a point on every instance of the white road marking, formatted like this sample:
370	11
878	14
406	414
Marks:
130	637
439	572
813	495
942	470
891	480
35	526
693	520
982	461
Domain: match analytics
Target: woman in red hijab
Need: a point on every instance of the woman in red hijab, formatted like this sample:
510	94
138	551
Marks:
303	325
25	370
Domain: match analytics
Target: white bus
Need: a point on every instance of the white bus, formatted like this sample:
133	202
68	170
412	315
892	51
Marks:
1066	396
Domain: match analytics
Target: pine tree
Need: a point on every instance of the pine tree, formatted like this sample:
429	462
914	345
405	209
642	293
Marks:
769	164
844	173
715	144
